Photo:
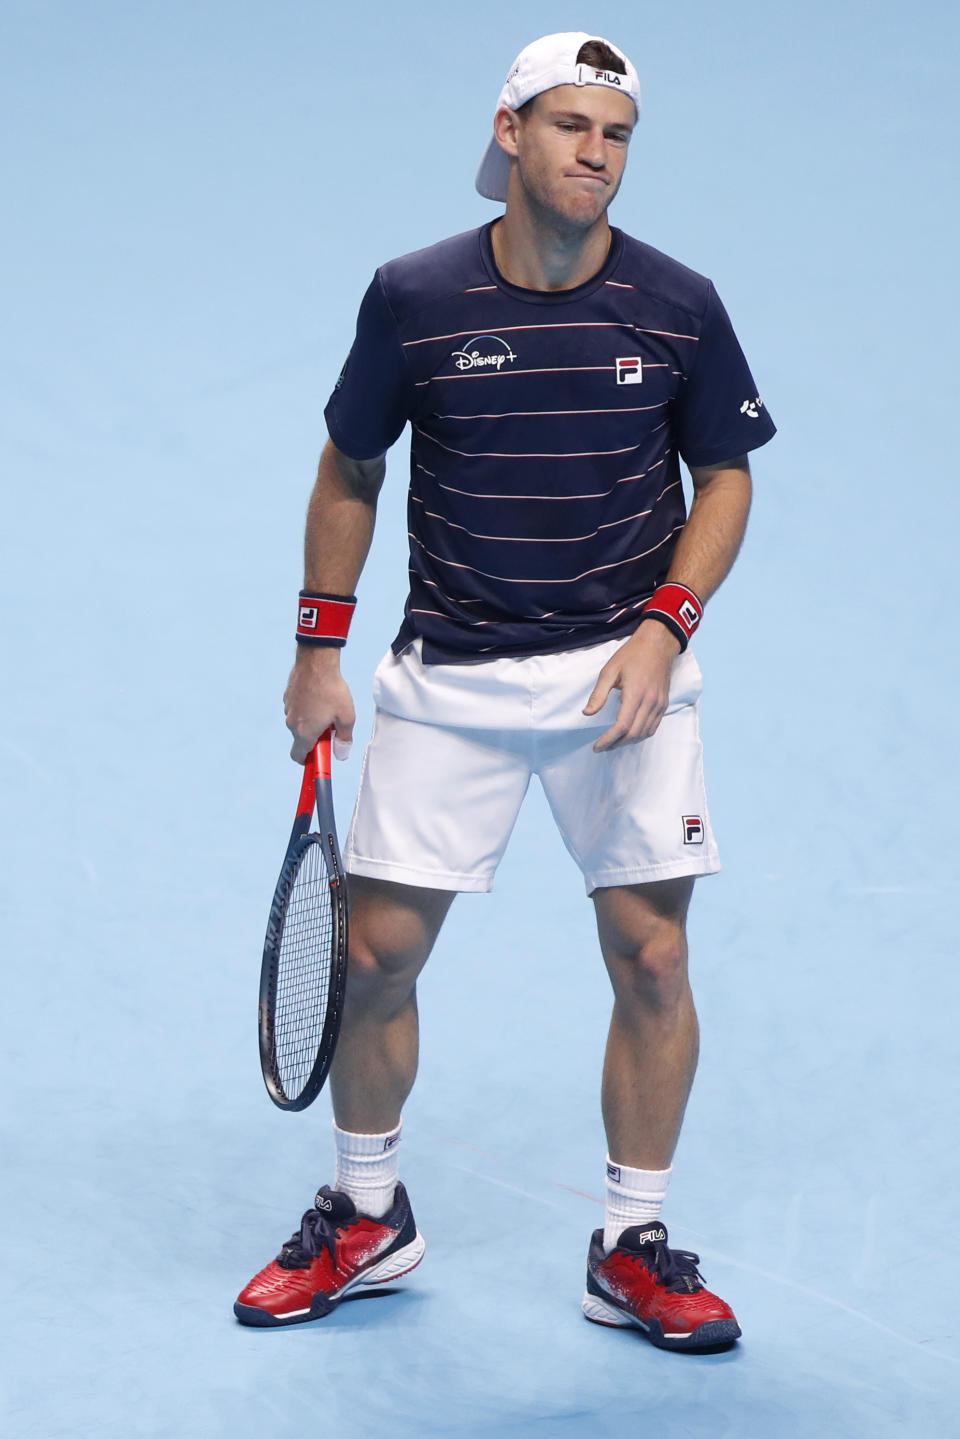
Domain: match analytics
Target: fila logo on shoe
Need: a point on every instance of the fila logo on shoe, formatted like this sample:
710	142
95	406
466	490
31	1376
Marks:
630	370
323	1203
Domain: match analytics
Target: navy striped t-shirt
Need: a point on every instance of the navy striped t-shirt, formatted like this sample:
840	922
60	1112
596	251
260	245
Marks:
547	432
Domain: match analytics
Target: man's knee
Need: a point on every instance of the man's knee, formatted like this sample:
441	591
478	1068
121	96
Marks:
653	973
643	938
392	931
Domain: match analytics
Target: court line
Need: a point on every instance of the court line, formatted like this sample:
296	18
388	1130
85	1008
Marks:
708	1253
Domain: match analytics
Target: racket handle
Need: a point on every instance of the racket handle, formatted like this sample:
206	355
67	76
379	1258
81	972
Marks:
317	766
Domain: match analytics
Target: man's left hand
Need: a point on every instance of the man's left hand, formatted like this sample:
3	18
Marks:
640	670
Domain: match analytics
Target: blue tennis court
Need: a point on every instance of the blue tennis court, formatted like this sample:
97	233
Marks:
192	223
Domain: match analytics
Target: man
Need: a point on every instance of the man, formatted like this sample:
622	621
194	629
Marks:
553	371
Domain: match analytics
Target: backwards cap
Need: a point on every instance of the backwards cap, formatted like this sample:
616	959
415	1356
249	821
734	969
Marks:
549	61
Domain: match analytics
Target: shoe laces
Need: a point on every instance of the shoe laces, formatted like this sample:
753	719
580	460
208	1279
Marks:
675	1269
317	1232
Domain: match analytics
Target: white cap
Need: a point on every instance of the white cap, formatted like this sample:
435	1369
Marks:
549	61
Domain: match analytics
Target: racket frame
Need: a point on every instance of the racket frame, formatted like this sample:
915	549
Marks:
315	792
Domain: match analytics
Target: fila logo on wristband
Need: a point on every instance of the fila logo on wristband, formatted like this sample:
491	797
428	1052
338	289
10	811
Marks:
677	607
324	619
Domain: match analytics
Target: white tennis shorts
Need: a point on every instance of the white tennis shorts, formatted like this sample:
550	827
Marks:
453	749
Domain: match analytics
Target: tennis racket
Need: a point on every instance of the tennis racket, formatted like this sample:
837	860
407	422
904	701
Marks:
304	968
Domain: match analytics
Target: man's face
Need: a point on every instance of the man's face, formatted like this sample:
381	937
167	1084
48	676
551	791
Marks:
571	149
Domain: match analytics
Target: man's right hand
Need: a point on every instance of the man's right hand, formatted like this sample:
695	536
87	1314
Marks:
316	697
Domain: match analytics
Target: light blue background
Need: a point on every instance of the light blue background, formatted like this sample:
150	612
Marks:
195	197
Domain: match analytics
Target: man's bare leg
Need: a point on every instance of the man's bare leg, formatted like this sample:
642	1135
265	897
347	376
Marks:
392	931
653	1042
633	1277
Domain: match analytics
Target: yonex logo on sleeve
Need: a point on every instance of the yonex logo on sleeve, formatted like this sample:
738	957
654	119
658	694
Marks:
630	370
308	617
692	829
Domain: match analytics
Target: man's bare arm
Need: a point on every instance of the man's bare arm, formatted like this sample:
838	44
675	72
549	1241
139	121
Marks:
706	550
340	521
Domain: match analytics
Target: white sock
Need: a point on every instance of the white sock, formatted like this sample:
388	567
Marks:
634	1196
368	1166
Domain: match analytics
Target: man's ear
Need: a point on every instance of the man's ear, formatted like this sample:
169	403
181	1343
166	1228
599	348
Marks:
506	125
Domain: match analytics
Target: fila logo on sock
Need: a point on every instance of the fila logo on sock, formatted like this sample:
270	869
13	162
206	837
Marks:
692	829
390	1141
613	1172
630	370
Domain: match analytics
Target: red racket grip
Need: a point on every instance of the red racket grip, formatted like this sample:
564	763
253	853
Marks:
317	766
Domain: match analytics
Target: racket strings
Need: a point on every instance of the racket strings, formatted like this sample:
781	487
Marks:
303	972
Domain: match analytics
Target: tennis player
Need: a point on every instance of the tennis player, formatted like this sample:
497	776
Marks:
554	373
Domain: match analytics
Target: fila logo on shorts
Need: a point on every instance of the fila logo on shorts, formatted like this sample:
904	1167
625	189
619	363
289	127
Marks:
630	370
692	829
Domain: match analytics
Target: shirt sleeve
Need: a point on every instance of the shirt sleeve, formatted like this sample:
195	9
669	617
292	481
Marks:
372	399
718	413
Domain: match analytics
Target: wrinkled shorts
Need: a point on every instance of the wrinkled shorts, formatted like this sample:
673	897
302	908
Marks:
454	747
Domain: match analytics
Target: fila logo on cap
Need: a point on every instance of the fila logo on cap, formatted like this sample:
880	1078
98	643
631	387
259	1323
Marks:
308	617
630	370
692	829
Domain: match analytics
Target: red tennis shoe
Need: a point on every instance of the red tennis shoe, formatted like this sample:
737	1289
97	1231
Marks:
660	1290
335	1250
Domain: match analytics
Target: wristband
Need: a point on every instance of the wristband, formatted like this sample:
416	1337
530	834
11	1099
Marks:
677	607
324	619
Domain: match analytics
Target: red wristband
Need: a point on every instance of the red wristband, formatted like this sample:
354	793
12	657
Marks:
677	607
324	619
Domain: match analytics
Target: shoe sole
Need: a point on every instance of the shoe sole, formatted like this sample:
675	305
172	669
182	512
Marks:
400	1262
710	1335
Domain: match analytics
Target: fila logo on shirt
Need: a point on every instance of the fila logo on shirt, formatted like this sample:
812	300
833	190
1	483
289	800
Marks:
692	829
308	617
630	370
478	354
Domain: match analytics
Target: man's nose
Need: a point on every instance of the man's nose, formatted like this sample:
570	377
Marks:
593	150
